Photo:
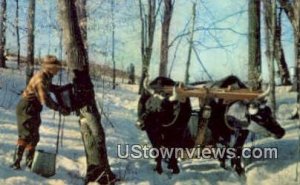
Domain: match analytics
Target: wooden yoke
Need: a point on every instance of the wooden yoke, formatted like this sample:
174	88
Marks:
227	94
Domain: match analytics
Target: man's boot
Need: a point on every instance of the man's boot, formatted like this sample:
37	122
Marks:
18	157
29	157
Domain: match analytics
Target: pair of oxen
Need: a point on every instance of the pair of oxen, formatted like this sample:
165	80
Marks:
165	118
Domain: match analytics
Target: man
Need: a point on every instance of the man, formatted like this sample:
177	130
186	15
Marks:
28	110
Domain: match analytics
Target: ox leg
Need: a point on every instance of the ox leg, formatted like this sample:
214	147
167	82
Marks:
236	162
154	135
173	164
158	167
222	161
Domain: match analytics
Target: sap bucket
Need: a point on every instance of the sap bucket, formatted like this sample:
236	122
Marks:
44	163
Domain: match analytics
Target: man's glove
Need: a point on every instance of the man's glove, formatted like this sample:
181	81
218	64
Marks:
64	111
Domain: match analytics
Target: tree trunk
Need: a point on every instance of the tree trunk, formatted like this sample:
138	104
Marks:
270	18
279	53
297	45
49	12
90	119
164	50
292	10
297	68
82	21
147	37
188	63
18	33
2	33
113	42
254	69
82	18
30	41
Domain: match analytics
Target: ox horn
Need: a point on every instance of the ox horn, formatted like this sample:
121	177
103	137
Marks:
150	90
175	96
147	86
264	94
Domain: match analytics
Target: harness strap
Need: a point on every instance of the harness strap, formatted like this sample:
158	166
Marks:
178	109
205	114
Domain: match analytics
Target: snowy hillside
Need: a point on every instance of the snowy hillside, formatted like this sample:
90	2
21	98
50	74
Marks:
119	107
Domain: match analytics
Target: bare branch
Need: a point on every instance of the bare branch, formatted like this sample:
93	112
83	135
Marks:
288	9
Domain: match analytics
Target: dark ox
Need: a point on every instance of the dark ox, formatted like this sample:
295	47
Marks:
238	118
166	121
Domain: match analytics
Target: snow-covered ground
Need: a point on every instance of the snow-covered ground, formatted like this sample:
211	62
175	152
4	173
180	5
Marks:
119	107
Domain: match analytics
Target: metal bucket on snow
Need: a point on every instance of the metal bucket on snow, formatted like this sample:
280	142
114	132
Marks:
44	163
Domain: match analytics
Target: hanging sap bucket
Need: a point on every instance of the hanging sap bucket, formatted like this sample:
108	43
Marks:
44	163
193	124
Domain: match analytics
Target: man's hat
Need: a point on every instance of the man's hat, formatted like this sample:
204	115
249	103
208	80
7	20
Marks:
50	61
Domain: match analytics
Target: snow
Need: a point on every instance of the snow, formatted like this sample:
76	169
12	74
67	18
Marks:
119	108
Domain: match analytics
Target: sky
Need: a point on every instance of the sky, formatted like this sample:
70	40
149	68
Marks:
223	51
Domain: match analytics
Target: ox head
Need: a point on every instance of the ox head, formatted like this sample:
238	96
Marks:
259	118
164	106
161	94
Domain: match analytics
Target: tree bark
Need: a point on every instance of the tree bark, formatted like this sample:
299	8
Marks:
90	119
279	53
30	41
292	10
2	34
18	33
164	50
270	17
82	18
113	43
254	61
148	24
188	63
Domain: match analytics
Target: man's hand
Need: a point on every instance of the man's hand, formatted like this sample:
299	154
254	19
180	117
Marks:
64	111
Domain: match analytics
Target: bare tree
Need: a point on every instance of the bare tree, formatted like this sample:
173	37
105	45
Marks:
17	33
164	50
270	18
292	10
188	63
90	119
113	41
2	33
82	18
148	23
279	53
254	61
30	41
